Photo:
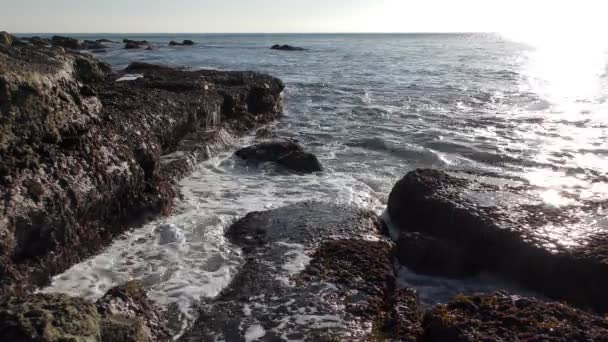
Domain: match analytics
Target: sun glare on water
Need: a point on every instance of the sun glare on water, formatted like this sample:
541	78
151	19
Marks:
565	65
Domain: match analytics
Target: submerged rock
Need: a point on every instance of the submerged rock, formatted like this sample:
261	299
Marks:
105	40
314	272
286	48
284	152
501	317
483	227
93	45
81	153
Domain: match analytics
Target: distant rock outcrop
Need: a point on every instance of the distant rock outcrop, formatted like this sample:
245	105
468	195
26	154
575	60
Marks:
286	48
183	43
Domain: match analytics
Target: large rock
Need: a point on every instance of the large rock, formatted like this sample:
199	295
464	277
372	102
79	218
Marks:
313	272
81	153
502	317
136	44
506	230
284	152
183	43
49	318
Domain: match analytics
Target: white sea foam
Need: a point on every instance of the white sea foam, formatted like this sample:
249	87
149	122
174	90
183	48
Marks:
254	333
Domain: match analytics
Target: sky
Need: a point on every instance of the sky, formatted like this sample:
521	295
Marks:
516	17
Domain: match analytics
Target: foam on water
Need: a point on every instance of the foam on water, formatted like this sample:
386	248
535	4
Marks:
186	257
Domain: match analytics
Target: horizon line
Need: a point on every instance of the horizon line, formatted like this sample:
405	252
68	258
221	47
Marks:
344	32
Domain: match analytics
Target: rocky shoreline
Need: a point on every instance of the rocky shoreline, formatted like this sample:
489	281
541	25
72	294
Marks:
87	152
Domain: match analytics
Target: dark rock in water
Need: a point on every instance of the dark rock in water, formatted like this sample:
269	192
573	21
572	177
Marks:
104	40
130	303
93	45
501	317
136	44
501	229
313	272
49	318
284	152
183	43
99	51
67	42
286	48
81	153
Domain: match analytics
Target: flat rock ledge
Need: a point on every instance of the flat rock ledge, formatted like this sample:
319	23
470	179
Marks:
83	156
457	225
313	272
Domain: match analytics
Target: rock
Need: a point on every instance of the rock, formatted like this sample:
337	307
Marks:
121	329
314	272
136	44
129	312
185	42
6	38
81	153
37	41
504	230
501	317
284	152
49	318
104	40
93	45
67	42
429	255
286	48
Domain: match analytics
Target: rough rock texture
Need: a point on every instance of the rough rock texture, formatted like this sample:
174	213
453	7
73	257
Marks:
284	152
128	306
501	317
286	48
80	154
313	272
124	314
504	230
6	38
49	318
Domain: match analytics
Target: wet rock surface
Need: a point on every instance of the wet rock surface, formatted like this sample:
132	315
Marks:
81	152
183	43
286	48
283	152
502	317
477	226
313	272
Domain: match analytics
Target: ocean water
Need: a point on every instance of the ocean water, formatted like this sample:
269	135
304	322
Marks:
372	107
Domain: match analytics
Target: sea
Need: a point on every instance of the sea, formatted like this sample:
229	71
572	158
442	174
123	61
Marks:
372	107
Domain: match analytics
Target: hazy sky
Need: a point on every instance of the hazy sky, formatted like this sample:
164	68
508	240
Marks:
518	16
